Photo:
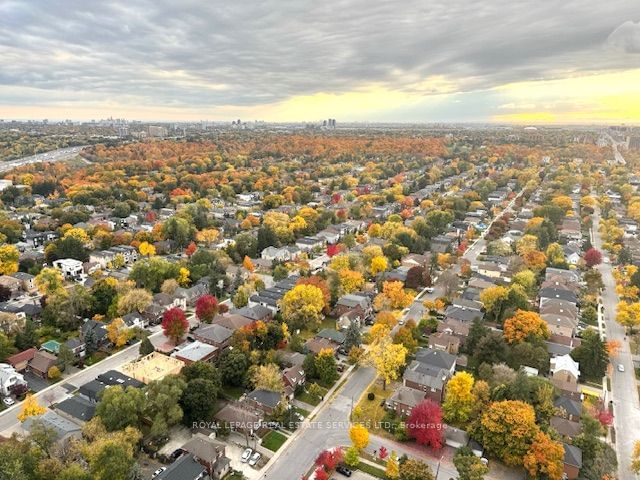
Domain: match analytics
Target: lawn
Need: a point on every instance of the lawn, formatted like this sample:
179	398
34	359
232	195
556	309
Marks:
327	322
273	441
370	410
302	412
309	399
371	470
233	393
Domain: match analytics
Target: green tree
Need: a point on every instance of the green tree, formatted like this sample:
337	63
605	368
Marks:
592	356
111	462
150	273
353	336
179	230
414	469
233	367
468	465
197	400
119	408
163	407
326	367
204	371
146	347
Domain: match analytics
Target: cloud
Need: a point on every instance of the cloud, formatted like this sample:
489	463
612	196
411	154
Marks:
220	56
626	36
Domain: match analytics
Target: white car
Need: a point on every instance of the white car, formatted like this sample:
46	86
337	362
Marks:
606	259
430	289
8	401
620	367
254	459
158	472
246	455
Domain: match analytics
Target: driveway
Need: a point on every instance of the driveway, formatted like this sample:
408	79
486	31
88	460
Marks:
35	383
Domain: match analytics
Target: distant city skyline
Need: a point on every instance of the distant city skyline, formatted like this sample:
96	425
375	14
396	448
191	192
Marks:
448	61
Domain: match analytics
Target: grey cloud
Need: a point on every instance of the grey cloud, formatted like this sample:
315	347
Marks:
167	53
626	36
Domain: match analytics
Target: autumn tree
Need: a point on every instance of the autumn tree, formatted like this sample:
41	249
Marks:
136	299
414	469
118	332
592	257
175	324
302	306
9	256
378	265
350	281
206	308
146	249
494	300
392	470
507	429
545	458
359	436
425	424
30	408
459	399
393	296
387	358
267	377
326	366
524	325
49	281
468	465
321	283
247	264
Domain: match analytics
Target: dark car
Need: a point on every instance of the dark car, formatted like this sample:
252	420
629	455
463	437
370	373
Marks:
343	470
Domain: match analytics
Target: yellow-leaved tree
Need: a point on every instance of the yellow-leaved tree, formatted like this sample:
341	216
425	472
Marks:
302	306
459	399
147	249
359	436
9	256
387	358
30	408
524	325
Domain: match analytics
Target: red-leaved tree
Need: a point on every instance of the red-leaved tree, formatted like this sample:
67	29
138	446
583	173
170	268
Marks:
333	250
330	459
593	257
605	418
206	308
382	453
175	324
191	249
425	424
321	474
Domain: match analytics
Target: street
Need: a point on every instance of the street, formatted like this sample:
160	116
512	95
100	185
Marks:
626	407
52	156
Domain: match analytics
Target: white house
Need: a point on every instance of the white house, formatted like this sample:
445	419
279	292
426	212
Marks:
8	378
70	268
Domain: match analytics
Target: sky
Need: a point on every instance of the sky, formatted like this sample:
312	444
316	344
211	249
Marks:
506	61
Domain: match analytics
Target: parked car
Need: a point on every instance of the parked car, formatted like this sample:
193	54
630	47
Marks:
430	289
246	455
343	470
255	458
177	453
8	401
620	367
158	472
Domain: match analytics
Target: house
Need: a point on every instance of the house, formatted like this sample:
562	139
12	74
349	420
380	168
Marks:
196	352
214	335
70	268
430	372
293	377
416	260
255	313
558	294
442	244
445	342
134	320
568	408
571	254
353	302
462	314
192	294
27	281
240	417
13	285
64	429
282	254
306	244
565	427
41	363
77	409
185	467
114	378
403	399
210	454
9	378
564	373
455	437
316	345
20	360
560	325
92	332
103	258
264	401
572	461
333	335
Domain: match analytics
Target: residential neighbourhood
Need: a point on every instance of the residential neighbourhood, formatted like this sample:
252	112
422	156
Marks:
445	310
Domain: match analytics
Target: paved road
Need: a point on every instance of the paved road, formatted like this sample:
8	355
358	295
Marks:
56	393
626	407
52	156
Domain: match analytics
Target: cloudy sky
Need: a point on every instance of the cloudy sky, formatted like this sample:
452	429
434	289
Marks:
288	60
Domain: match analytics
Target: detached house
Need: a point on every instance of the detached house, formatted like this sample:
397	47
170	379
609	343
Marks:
430	372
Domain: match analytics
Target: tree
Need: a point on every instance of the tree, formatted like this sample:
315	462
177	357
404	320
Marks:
526	279
321	283
468	465
350	281
118	332
378	265
174	324
330	459
449	281
490	349
545	458
53	373
146	249
404	336
507	428
387	358
267	377
425	424
635	459
146	347
233	367
191	249
247	264
326	366
49	281
111	461
30	408
119	408
196	401
9	257
359	436
206	308
392	471
592	257
393	296
353	336
494	300
169	286
413	469
592	356
27	337
163	407
302	306
535	260
352	457
459	399
416	277
150	273
179	230
525	325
